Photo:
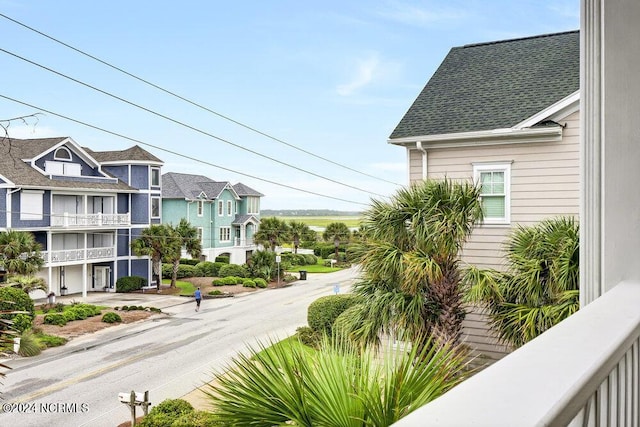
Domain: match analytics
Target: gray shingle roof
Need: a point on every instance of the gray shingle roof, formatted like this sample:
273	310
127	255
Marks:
243	190
12	166
494	85
135	153
243	219
187	186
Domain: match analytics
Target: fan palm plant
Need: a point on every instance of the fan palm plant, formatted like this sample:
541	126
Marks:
341	384
336	232
157	242
299	231
188	239
19	252
409	258
272	232
541	285
27	283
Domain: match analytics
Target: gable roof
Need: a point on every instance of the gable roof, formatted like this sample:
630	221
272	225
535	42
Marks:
244	190
188	186
14	169
494	85
132	154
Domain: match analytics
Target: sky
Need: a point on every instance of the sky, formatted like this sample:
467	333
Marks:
295	99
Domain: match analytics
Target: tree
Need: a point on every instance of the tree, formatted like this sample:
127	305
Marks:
27	283
541	285
336	232
299	231
409	259
157	242
271	233
188	240
20	253
342	384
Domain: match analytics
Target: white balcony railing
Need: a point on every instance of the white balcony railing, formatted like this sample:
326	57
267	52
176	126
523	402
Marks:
242	242
583	372
90	220
75	255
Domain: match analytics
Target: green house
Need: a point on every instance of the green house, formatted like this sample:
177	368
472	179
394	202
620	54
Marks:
226	216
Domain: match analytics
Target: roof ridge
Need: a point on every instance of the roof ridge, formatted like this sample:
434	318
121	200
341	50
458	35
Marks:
519	39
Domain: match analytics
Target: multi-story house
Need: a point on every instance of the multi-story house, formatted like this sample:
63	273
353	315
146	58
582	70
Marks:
504	114
84	207
226	216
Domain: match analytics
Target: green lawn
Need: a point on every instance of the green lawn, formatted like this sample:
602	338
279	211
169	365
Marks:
318	268
186	288
323	221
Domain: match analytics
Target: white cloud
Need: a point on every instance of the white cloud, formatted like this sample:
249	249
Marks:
29	131
366	72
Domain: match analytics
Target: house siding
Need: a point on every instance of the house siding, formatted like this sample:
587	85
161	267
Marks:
545	183
3	207
140	177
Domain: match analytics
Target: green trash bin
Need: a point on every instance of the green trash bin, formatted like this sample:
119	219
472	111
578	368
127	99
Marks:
303	274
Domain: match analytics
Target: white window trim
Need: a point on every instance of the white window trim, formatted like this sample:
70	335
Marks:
200	211
151	184
200	232
228	239
497	167
151	208
31	205
62	149
220	208
229	208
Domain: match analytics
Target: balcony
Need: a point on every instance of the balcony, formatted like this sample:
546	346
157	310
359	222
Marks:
583	372
67	220
237	241
78	255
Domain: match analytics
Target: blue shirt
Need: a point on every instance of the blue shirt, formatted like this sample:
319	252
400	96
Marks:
197	294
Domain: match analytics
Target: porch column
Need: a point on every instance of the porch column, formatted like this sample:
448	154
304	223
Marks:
49	268
610	146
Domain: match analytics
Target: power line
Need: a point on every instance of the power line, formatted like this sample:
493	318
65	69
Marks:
194	103
226	141
176	153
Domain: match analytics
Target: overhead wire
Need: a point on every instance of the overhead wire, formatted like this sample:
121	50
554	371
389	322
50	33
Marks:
180	123
198	105
175	152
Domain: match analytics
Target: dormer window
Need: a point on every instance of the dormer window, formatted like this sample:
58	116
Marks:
62	153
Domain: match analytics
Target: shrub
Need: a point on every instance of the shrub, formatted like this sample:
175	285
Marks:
55	319
51	340
29	344
248	283
298	259
185	270
14	299
222	259
215	292
287	278
130	284
189	261
111	317
218	282
21	323
308	336
125	308
197	418
230	280
70	315
261	283
310	259
232	270
166	413
207	268
167	270
324	311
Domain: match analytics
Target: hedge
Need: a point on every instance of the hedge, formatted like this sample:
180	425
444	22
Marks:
324	311
111	317
130	284
222	259
14	299
232	270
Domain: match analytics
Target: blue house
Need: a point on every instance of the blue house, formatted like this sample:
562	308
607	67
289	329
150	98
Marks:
226	216
84	207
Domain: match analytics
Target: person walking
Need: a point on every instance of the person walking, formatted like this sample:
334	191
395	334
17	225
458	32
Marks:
198	296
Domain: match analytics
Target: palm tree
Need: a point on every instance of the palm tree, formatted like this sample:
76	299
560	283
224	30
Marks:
271	233
189	241
27	283
336	232
541	286
157	241
409	257
20	253
342	384
299	231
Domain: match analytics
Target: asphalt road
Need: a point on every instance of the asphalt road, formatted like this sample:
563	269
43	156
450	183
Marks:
78	384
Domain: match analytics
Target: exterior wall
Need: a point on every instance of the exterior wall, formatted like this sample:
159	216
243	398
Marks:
120	172
545	182
16	222
140	205
86	170
122	202
3	207
139	177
